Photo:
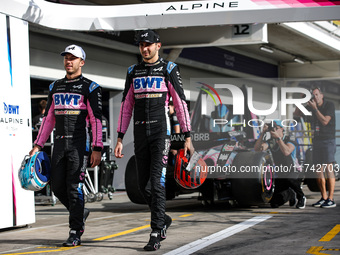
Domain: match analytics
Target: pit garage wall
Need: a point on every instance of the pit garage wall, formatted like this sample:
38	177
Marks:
17	204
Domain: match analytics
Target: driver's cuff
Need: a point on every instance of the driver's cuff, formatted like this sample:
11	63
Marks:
187	134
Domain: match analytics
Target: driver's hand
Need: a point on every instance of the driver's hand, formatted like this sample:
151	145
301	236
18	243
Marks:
34	150
119	148
188	146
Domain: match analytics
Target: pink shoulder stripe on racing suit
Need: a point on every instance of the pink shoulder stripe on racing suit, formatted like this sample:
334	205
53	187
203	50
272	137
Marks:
126	109
46	128
181	109
96	126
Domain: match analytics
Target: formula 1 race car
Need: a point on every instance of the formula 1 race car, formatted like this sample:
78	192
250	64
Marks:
233	172
226	166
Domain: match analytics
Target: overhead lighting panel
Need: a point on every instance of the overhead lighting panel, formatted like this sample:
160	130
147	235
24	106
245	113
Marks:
299	60
266	49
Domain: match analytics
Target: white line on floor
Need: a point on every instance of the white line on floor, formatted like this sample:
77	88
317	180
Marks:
206	241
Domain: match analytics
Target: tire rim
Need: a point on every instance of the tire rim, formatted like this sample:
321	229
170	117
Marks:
268	182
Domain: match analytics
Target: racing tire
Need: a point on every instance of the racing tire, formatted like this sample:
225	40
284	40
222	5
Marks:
131	182
208	189
99	196
254	187
91	197
86	199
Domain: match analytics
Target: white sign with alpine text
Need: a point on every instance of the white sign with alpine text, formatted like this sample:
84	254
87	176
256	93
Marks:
169	14
17	204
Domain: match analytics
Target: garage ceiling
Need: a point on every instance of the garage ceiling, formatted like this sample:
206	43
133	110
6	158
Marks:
286	43
290	43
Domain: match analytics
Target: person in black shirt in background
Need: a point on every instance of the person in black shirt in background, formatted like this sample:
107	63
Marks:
324	147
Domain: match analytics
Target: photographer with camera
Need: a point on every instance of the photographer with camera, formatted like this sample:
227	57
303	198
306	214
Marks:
283	149
324	147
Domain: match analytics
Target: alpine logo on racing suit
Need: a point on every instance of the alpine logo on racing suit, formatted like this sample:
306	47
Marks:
148	82
159	69
66	99
78	86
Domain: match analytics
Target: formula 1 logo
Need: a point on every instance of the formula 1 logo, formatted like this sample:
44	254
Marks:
11	109
148	82
66	99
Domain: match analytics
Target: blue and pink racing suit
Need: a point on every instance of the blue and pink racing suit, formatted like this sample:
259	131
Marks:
148	89
72	106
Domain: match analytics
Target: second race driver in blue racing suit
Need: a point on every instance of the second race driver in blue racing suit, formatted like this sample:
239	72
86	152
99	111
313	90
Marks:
74	103
148	89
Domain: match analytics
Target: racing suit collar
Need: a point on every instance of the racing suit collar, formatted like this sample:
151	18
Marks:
152	64
74	79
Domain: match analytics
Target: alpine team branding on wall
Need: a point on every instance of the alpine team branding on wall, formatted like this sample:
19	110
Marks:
9	110
17	204
255	4
159	15
201	6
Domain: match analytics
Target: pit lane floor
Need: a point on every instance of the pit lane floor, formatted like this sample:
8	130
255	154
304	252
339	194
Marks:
118	226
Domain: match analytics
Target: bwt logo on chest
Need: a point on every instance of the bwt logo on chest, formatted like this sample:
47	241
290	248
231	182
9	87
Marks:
66	99
148	83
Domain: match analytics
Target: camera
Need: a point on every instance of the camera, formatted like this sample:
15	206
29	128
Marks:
312	95
311	98
270	127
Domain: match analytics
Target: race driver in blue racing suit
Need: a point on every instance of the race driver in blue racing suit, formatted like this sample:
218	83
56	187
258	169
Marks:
73	104
148	88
